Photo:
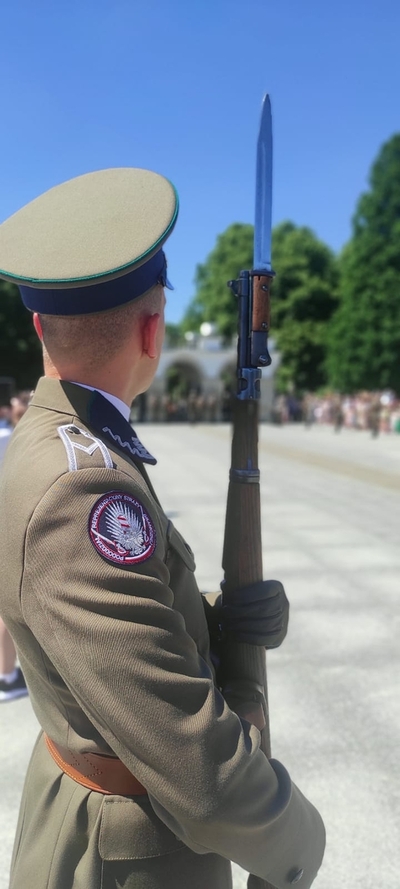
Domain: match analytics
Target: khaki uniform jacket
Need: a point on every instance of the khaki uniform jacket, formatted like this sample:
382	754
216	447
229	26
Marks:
116	658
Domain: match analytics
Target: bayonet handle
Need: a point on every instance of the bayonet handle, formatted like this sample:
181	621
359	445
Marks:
260	318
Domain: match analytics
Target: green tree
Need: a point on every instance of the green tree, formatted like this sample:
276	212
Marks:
304	298
364	342
20	351
213	300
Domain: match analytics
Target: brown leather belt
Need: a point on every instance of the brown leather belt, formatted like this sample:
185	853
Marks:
104	774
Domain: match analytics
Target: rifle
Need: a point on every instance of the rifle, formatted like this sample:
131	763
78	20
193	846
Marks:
243	666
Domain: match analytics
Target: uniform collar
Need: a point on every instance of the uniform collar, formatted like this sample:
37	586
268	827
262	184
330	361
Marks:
107	419
123	408
94	409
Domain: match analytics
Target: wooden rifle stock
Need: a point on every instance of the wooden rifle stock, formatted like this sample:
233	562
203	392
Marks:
243	666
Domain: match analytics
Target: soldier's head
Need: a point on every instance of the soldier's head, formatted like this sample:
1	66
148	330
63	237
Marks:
125	340
87	257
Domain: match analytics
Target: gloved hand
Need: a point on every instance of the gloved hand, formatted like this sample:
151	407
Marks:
257	614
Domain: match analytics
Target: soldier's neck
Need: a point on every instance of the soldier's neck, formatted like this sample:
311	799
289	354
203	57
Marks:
107	380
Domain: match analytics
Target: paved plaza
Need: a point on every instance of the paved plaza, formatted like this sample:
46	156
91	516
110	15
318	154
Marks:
331	530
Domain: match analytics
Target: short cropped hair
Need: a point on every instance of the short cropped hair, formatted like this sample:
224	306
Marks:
95	339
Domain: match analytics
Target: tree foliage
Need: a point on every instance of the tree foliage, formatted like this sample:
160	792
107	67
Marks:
303	296
364	342
214	301
20	351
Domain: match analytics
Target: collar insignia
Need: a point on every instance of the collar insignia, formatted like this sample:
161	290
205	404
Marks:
108	420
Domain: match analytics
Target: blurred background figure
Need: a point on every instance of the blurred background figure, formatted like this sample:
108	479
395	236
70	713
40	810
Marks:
374	415
337	414
7	387
308	409
12	682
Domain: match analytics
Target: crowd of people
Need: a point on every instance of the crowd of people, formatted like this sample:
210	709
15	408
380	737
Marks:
378	412
195	407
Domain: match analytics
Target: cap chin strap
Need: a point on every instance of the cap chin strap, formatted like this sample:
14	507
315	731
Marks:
98	297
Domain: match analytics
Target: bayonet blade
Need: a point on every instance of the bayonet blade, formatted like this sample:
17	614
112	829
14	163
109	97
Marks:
263	217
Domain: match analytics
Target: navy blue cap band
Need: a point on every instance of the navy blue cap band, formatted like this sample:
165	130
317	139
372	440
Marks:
98	297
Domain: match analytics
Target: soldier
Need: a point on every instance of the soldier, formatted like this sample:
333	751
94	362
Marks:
141	775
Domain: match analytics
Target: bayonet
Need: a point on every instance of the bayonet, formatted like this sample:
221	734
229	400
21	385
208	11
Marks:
253	287
263	216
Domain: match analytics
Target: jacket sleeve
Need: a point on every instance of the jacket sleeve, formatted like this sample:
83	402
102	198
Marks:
124	653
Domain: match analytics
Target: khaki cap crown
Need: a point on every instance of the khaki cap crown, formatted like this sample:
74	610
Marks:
93	228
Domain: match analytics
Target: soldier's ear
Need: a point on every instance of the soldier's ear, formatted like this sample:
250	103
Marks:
150	335
38	326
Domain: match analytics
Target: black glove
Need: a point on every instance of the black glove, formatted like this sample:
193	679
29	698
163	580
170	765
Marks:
257	614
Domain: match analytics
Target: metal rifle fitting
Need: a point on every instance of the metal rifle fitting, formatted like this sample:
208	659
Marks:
245	476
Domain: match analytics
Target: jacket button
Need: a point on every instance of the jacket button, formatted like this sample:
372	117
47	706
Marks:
296	877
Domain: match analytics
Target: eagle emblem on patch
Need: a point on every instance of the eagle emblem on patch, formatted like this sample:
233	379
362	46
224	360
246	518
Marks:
121	529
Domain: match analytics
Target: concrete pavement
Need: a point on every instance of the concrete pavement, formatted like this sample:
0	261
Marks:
331	528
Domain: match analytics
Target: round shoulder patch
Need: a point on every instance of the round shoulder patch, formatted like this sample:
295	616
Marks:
121	529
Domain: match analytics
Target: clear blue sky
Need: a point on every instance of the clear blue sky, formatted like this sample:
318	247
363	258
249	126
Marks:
176	86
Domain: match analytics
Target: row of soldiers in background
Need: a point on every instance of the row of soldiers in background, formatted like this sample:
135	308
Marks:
193	408
373	411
